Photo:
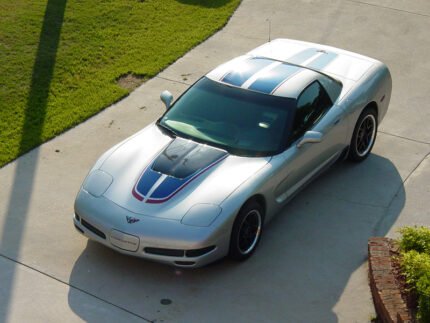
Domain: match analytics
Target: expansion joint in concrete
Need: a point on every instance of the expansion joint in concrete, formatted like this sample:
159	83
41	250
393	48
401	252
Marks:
407	177
389	8
170	80
74	287
406	138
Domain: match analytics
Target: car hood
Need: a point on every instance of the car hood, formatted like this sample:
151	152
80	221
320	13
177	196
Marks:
156	175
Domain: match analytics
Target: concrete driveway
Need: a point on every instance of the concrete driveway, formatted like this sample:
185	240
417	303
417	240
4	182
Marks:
311	264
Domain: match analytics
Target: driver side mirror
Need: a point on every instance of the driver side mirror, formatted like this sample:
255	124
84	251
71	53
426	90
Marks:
167	98
310	137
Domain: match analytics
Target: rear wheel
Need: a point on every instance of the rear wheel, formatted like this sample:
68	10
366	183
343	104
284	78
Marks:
247	230
364	135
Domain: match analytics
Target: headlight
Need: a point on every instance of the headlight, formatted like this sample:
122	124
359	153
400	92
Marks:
201	215
97	182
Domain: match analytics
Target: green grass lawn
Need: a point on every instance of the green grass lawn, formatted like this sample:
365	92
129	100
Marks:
60	59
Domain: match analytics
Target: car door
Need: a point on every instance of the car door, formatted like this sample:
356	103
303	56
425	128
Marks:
296	165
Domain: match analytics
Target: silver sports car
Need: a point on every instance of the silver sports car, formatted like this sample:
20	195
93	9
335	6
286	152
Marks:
201	182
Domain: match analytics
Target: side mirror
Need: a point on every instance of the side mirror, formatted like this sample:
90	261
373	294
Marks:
310	137
167	98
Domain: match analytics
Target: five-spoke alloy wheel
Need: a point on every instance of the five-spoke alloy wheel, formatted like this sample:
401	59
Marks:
247	230
364	135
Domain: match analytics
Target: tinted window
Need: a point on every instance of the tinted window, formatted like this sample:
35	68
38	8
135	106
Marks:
311	106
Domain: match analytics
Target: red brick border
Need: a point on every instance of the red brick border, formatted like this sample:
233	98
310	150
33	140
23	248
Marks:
389	304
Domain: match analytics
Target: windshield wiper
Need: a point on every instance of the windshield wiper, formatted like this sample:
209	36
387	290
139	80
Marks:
170	132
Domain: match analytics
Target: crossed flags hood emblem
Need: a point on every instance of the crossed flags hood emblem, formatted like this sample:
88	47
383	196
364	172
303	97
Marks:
130	219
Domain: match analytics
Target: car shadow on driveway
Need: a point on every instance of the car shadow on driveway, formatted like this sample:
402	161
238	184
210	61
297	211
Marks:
309	267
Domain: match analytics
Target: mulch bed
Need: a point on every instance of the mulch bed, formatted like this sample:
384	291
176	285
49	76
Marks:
408	296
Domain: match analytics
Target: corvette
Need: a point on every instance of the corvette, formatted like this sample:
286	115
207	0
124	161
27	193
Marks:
200	182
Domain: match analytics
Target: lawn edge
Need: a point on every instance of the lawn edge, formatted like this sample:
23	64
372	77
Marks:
122	97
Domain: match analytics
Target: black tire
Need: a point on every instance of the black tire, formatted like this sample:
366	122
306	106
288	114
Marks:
364	135
247	231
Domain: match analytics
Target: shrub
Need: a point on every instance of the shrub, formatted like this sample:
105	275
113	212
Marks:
415	262
423	290
415	238
415	265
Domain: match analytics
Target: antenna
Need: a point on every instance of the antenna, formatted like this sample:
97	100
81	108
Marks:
270	27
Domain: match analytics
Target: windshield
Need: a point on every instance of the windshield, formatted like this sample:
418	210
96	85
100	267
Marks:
243	122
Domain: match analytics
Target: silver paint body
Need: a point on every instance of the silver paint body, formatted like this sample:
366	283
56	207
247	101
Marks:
226	187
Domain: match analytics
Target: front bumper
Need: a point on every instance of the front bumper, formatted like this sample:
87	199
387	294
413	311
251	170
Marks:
160	240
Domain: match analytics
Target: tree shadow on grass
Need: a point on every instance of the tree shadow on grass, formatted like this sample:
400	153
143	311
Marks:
308	260
25	167
205	3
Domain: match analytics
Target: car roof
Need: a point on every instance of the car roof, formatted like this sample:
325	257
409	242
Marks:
317	62
266	75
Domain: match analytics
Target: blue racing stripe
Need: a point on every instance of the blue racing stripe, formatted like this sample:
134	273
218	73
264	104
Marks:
322	61
168	186
272	78
302	56
148	179
247	69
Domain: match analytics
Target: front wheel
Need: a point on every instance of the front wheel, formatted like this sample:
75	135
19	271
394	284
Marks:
364	135
247	230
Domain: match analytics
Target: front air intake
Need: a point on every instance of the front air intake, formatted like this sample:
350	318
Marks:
93	229
164	252
199	252
185	263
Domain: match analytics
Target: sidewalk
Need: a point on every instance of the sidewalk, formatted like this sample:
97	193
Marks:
311	263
